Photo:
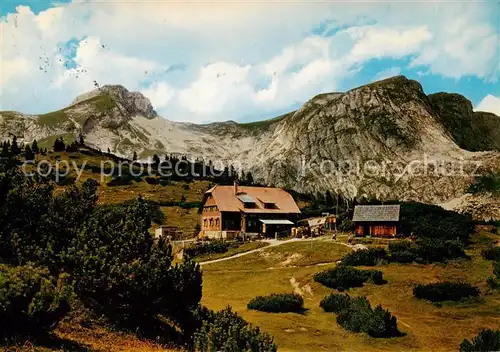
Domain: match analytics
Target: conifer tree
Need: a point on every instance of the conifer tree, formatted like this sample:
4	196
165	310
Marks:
28	153
249	178
14	147
34	147
5	148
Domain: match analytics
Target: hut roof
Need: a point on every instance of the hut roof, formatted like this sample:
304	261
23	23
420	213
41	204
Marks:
372	213
227	200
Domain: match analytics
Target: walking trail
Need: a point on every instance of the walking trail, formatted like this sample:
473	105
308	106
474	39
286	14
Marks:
274	243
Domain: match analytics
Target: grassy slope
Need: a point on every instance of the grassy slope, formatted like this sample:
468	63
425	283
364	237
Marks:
428	327
99	104
264	123
70	334
186	219
245	247
48	142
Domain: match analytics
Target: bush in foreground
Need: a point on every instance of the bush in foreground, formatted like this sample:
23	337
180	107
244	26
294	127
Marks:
435	223
278	303
31	302
491	253
227	331
357	315
345	277
445	291
369	257
212	247
122	272
486	340
335	302
426	250
493	282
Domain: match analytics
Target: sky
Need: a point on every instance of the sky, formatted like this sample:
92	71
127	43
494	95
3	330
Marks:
208	61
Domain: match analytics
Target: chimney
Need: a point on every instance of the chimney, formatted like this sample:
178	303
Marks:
235	188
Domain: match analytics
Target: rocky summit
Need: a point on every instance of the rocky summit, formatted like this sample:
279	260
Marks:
387	139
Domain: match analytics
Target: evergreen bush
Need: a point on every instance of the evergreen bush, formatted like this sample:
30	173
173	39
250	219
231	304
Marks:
335	302
31	301
209	247
357	315
491	253
227	331
345	277
278	303
487	340
445	291
368	257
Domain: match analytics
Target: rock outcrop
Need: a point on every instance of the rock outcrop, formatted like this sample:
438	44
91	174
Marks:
386	139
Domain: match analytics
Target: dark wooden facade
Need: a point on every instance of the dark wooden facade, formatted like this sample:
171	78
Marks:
223	215
376	229
376	220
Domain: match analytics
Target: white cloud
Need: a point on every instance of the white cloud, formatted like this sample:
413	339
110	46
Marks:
265	55
375	42
218	85
12	68
96	63
160	94
490	103
463	44
387	73
314	71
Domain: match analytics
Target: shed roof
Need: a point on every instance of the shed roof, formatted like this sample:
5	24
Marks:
276	222
316	221
381	213
228	201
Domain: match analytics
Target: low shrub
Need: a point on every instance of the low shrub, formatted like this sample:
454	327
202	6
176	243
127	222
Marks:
369	257
345	277
486	183
227	331
357	315
278	303
425	250
435	250
445	291
493	283
347	226
31	302
335	302
486	340
152	180
435	223
360	317
496	269
491	253
212	247
119	181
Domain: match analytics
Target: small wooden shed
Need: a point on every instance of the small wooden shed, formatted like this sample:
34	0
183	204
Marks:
376	220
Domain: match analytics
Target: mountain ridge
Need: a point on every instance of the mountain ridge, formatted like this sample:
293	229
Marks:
392	120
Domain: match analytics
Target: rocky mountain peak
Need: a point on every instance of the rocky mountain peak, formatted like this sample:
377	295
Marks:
135	103
324	145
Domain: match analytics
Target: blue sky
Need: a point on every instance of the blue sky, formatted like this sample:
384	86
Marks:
245	61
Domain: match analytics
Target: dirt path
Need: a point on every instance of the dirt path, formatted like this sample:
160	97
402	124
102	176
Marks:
274	243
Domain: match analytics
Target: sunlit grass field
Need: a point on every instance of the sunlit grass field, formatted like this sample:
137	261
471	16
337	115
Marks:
427	327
